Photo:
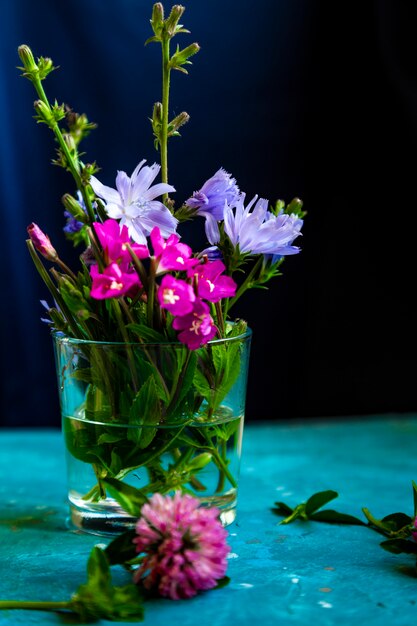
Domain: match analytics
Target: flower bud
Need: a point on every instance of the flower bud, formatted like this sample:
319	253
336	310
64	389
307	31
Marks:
73	207
200	461
171	23
70	142
41	242
44	113
177	122
46	66
27	58
181	57
157	112
157	21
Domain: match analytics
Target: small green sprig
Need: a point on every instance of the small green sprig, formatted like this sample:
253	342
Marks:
398	528
96	599
310	510
51	115
164	30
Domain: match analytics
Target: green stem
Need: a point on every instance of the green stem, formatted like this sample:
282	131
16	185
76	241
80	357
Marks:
247	284
35	606
130	357
54	291
222	476
72	164
151	294
166	72
179	383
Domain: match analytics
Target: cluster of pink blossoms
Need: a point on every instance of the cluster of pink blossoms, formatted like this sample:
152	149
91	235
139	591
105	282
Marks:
185	298
184	546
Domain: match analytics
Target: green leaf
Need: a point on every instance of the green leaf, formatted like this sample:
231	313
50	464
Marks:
83	374
145	413
130	499
122	549
334	517
319	499
185	383
398	546
146	334
201	384
99	599
222	582
415	497
397	521
282	509
109	438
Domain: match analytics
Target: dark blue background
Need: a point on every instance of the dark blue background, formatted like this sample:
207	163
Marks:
304	98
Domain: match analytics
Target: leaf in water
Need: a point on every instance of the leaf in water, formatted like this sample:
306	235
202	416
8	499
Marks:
147	334
83	374
109	438
145	412
184	384
130	499
319	499
201	384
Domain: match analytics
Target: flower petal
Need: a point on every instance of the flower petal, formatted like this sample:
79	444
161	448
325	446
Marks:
107	193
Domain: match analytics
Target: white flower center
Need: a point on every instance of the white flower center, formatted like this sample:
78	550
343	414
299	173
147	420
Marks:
170	296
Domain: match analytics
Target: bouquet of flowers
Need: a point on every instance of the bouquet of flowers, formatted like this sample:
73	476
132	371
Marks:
151	366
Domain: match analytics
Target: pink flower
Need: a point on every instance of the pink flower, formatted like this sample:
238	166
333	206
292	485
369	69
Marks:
114	240
210	284
171	254
176	295
184	546
41	242
113	282
197	327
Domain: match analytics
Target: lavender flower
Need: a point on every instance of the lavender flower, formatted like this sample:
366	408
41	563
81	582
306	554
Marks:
209	202
133	202
259	231
184	546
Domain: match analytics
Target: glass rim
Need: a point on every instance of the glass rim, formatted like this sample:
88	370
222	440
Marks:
59	335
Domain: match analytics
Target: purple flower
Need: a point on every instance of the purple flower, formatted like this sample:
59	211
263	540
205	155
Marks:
184	546
176	295
112	282
210	284
210	201
197	327
259	231
133	202
113	239
41	242
72	225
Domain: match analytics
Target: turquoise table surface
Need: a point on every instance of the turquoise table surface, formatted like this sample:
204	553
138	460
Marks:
299	573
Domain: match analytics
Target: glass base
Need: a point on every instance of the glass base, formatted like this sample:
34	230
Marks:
108	519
